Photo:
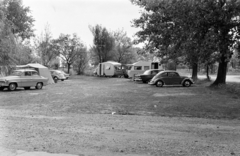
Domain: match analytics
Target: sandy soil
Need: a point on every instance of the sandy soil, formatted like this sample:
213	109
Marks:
107	135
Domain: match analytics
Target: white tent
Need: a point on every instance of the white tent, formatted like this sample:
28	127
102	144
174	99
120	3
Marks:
42	70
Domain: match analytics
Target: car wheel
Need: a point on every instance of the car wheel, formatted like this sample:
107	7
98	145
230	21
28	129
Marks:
12	86
39	85
159	83
144	81
26	88
55	79
187	83
62	80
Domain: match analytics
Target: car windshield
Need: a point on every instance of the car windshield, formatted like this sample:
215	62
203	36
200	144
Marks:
16	73
147	72
160	73
118	67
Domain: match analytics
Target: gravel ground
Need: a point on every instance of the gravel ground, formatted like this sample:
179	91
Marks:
109	135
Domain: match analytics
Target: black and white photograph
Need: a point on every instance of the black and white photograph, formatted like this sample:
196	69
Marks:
119	77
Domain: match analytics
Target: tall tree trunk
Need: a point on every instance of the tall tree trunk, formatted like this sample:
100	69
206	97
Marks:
194	71
69	65
207	72
222	72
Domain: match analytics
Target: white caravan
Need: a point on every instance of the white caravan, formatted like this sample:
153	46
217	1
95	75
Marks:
109	68
141	66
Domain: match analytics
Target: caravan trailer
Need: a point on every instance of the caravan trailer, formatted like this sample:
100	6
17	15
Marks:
141	66
109	68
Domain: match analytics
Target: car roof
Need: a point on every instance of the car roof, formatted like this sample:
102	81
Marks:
166	71
23	70
170	71
153	69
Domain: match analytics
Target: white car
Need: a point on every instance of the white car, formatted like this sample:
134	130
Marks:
23	78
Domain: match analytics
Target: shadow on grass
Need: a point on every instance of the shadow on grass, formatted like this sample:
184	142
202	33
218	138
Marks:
231	88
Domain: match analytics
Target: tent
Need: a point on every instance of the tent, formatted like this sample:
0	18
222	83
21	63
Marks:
42	70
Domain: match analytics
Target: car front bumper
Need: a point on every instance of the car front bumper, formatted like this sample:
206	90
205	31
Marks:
3	84
151	83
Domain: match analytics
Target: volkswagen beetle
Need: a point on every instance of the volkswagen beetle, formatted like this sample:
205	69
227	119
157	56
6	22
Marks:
169	77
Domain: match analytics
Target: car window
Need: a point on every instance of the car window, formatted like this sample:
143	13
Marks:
173	74
147	72
164	74
28	73
154	72
16	73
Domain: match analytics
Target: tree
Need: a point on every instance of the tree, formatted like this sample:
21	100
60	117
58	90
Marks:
15	25
68	48
183	28
7	41
20	19
81	61
124	52
24	54
103	44
45	47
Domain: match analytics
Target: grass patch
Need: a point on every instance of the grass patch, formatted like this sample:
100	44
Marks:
99	95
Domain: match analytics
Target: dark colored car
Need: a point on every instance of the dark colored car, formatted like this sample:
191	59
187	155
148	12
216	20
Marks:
170	78
148	75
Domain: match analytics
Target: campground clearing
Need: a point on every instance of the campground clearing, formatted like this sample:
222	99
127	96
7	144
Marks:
115	116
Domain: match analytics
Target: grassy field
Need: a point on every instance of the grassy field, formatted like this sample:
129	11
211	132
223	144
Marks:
94	95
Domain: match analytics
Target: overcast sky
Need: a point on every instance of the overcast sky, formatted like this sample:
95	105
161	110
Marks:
75	16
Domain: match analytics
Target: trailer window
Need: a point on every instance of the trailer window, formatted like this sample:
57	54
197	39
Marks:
137	67
108	68
146	67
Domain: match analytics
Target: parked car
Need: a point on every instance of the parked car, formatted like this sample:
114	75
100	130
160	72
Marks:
170	78
65	74
58	75
147	75
25	78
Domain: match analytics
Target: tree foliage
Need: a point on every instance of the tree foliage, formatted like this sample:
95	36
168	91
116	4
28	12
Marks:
123	51
15	26
45	47
20	19
68	47
103	44
195	29
81	62
7	41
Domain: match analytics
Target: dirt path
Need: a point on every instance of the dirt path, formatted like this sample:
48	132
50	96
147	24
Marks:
108	135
